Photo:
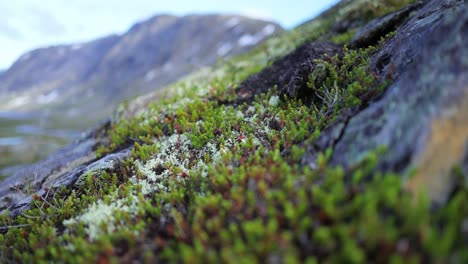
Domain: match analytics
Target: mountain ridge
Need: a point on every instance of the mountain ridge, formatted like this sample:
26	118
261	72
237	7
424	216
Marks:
73	87
107	67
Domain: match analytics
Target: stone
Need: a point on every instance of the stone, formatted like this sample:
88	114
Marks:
421	117
66	168
289	74
375	29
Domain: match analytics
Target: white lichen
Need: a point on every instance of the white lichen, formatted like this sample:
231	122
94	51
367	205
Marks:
274	100
177	158
100	218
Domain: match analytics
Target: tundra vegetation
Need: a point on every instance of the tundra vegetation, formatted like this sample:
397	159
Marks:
213	178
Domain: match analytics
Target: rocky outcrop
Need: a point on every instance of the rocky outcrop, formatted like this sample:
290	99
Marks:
290	74
61	169
321	155
421	117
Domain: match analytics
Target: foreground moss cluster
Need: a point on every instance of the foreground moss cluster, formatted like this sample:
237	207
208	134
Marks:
254	203
210	180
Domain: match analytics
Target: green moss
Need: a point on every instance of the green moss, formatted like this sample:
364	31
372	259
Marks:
367	9
344	81
254	203
212	182
343	38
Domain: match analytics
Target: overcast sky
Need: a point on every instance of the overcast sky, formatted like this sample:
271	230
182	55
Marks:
29	24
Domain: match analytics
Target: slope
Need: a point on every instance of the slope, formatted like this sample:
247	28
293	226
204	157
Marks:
285	154
63	90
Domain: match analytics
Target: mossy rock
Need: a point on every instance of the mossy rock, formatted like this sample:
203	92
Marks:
279	155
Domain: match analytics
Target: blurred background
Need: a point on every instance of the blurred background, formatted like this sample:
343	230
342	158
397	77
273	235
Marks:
65	65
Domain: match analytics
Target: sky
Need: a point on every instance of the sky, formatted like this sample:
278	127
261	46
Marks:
30	24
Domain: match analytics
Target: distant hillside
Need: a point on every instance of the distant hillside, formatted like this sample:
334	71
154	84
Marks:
91	77
66	89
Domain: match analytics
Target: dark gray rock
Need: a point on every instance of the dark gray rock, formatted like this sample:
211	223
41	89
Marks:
422	117
63	168
374	30
289	74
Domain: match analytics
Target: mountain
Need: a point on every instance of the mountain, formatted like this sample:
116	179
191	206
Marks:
63	90
344	140
89	78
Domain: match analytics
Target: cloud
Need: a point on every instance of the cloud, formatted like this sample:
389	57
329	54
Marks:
256	13
10	32
20	23
8	29
44	22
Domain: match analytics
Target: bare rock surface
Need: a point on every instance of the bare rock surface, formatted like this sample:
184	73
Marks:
63	168
289	74
422	117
